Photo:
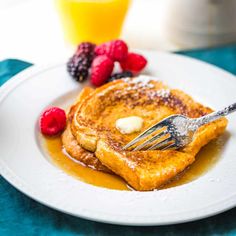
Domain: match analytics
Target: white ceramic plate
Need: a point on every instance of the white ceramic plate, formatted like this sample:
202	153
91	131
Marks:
24	165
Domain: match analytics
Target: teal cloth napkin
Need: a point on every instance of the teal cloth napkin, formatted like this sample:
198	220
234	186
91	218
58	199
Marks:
223	57
11	67
20	215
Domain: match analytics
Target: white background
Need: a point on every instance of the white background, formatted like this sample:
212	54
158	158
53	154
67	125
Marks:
31	31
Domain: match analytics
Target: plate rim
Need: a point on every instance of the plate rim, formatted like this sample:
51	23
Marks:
8	176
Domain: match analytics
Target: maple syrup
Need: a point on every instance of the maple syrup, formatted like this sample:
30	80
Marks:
205	160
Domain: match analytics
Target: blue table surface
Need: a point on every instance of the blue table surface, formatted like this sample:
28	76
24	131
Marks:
20	215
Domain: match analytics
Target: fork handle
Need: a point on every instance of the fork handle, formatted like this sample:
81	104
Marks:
216	115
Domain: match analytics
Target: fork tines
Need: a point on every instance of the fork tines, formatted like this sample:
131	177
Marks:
159	138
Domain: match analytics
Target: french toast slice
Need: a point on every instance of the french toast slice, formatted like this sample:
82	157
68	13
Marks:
94	128
70	143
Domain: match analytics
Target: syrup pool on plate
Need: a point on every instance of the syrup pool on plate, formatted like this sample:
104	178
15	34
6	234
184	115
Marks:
74	168
205	160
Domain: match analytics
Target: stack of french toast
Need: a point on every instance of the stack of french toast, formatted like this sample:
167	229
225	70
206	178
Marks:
92	137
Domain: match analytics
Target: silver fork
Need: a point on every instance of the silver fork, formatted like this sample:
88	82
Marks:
175	131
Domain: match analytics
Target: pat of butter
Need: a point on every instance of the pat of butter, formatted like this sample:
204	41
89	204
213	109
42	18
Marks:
129	125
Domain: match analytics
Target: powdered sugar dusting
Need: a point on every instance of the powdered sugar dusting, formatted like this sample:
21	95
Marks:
141	81
132	165
162	93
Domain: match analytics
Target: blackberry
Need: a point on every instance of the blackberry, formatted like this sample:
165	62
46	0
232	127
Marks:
79	64
78	67
85	48
121	75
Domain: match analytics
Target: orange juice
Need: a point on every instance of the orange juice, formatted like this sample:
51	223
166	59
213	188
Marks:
92	20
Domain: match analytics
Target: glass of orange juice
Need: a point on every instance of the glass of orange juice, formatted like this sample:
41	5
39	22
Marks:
92	20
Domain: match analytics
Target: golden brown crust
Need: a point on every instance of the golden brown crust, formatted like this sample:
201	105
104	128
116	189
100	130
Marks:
80	154
143	170
94	128
97	115
71	145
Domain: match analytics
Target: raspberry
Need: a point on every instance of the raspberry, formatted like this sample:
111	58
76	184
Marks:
52	121
117	50
121	75
101	69
134	63
78	66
